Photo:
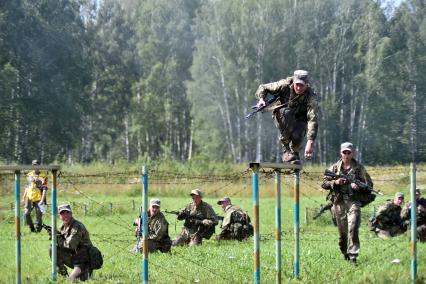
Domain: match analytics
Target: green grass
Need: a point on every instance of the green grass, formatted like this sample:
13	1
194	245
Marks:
225	262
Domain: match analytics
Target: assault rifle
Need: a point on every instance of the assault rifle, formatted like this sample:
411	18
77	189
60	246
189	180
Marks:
256	109
322	210
352	180
49	230
194	221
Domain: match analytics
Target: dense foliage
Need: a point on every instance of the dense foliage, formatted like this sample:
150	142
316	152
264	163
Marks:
86	80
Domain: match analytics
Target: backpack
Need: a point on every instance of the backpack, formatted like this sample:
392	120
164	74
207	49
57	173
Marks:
96	259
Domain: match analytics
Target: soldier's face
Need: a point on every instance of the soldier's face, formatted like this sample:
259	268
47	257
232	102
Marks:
346	156
224	204
154	210
299	88
398	200
196	199
65	216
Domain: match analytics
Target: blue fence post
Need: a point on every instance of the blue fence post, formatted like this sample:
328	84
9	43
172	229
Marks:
296	224
145	224
278	224
54	216
256	243
413	241
18	225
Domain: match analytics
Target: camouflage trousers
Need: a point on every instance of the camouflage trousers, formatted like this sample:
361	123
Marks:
421	233
79	259
153	246
348	218
28	207
236	231
292	130
388	232
188	237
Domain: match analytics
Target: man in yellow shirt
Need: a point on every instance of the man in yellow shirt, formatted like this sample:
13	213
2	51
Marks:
35	197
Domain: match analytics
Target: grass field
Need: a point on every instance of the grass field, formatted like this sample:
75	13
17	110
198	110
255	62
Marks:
107	205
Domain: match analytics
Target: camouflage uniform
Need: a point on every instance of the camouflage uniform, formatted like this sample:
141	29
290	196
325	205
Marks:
388	222
347	207
199	226
421	218
235	224
73	248
301	112
158	234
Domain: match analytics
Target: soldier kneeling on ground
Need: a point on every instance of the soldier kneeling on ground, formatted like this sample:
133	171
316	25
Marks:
235	224
420	213
388	222
158	230
74	248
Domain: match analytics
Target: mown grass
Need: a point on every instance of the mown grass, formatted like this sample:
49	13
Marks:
213	262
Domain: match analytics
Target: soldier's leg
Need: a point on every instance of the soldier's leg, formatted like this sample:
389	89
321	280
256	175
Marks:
39	217
342	226
27	214
62	259
383	234
421	233
297	137
284	120
182	238
354	221
195	240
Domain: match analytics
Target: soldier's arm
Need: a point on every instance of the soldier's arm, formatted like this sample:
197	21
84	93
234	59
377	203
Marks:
72	241
158	230
312	116
328	182
211	218
272	88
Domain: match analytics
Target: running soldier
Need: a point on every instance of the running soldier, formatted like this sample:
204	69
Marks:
388	222
200	220
294	112
235	224
35	197
347	200
158	230
421	215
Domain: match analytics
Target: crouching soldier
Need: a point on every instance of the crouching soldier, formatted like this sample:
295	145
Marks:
73	246
158	230
235	224
420	213
388	222
200	220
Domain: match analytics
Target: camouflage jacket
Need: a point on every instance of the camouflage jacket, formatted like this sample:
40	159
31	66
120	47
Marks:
203	212
234	214
388	215
158	227
421	212
74	237
341	192
305	106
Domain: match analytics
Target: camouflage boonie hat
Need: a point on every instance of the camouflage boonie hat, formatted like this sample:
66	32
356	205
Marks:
64	207
196	192
224	199
155	202
300	77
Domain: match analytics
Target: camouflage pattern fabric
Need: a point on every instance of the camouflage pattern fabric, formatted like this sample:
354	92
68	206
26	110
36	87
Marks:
347	207
301	112
235	225
421	218
203	220
73	249
388	222
158	234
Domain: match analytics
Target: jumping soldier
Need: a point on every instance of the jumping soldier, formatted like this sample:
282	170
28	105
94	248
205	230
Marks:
421	215
235	224
35	197
388	222
73	246
347	200
158	230
200	220
294	112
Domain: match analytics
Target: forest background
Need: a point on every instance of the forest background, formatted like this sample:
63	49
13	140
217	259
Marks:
106	81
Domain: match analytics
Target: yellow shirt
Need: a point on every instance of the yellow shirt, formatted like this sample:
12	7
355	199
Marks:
36	184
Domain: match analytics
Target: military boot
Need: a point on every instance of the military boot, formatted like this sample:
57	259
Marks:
32	229
291	157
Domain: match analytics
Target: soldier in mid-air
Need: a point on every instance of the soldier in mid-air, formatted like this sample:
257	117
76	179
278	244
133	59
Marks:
200	221
294	113
235	224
